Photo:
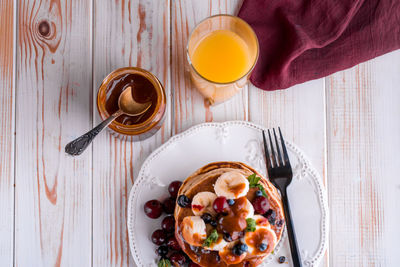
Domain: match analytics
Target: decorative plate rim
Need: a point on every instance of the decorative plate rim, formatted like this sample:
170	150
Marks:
307	168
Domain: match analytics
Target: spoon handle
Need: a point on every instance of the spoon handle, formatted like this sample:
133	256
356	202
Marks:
77	146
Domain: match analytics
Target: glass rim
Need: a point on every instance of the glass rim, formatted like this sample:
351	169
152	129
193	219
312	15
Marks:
230	16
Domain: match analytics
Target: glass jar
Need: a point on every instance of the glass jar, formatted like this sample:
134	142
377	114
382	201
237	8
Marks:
144	129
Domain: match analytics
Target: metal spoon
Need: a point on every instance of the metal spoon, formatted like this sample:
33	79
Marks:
127	105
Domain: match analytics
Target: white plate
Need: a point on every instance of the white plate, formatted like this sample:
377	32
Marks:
229	141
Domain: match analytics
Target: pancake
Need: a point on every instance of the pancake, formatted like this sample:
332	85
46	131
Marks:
203	180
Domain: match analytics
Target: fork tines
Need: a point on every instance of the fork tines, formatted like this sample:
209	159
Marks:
275	156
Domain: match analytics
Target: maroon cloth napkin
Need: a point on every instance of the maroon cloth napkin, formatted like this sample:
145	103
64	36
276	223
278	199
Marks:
301	40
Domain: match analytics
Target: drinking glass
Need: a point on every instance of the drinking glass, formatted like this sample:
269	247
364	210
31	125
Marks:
217	92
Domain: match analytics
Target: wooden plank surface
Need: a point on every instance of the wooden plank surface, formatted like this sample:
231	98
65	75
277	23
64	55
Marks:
189	106
7	29
126	33
363	107
53	191
300	112
72	211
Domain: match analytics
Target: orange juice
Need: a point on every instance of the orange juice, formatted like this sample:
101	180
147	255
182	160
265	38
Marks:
222	57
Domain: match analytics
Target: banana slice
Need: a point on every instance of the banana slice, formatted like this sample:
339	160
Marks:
193	230
250	209
261	221
231	185
263	240
203	203
219	245
228	257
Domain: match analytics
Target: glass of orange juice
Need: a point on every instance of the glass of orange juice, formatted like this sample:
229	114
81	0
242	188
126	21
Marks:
222	51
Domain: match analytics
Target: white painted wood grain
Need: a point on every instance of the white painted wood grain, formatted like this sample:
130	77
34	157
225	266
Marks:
63	218
300	112
363	106
190	108
53	190
127	33
7	29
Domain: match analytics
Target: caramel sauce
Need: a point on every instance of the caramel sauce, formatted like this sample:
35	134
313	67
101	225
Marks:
235	221
237	189
229	258
197	207
212	258
197	238
142	91
262	221
251	195
258	237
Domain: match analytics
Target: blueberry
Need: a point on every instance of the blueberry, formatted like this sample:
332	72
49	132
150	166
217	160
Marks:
184	201
227	237
271	216
162	251
236	250
218	258
231	202
243	247
205	251
196	250
259	193
213	223
281	259
239	249
207	218
262	247
279	223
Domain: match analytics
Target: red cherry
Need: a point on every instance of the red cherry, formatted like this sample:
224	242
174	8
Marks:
261	205
192	264
177	259
158	237
168	223
153	209
173	243
221	205
173	188
169	205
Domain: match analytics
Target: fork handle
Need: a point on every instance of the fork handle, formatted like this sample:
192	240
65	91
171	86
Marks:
294	249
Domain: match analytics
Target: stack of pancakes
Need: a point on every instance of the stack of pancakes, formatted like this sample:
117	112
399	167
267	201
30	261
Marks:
203	180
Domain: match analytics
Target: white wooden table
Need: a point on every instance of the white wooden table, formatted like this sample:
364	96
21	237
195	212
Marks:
63	211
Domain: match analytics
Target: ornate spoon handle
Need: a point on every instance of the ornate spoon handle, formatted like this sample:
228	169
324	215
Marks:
77	146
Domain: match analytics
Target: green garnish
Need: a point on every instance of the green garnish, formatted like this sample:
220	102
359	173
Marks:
213	237
253	182
251	225
164	263
262	190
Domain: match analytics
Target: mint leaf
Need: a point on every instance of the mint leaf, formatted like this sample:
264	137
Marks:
164	263
253	180
262	190
251	225
213	237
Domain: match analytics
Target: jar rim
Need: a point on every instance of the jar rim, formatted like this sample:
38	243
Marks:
149	123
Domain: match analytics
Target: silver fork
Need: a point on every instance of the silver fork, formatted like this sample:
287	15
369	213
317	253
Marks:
280	174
